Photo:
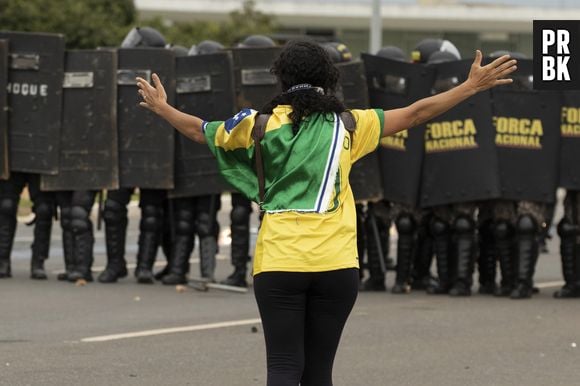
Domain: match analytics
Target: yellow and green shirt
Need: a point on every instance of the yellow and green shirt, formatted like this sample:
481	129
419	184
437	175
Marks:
310	220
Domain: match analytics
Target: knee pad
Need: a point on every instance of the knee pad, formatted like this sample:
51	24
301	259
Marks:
566	228
502	230
464	225
405	224
113	211
43	210
184	227
526	225
80	221
65	218
240	215
184	222
438	227
151	218
8	207
205	225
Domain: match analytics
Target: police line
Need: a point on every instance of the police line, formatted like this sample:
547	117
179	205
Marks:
73	117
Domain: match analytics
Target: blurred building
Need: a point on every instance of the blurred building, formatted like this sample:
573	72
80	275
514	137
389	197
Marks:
488	24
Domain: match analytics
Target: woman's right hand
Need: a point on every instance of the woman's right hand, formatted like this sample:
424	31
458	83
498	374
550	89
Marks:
154	98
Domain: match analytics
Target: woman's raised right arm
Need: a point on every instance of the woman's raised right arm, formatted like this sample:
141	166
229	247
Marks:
155	99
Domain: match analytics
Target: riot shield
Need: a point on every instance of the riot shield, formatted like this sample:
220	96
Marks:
88	141
4	164
394	84
255	85
365	175
36	65
527	137
204	87
146	142
460	162
570	141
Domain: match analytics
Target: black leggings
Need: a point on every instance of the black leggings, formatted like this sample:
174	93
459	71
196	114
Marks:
303	314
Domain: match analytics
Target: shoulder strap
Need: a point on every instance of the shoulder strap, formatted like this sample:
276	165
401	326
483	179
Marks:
348	120
258	132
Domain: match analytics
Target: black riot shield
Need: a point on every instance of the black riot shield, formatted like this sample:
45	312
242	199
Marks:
205	87
146	142
4	164
460	162
570	141
88	141
394	84
527	131
255	85
36	65
365	176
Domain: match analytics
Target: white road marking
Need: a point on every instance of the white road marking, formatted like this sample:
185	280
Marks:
174	330
549	284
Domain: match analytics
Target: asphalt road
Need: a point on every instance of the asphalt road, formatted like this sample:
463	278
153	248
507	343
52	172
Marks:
54	333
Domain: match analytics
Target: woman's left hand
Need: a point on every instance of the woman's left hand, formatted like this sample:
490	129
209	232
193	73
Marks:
491	75
154	98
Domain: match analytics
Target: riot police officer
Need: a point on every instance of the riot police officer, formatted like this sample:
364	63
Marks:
151	204
43	209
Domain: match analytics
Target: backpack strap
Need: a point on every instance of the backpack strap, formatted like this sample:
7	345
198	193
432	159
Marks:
258	132
348	120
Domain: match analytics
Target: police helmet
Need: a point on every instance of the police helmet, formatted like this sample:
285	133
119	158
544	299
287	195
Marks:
338	52
143	37
178	50
206	47
392	52
427	47
257	41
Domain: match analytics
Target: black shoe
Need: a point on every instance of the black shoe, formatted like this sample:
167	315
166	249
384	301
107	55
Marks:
460	289
112	274
400	289
161	274
373	285
37	271
144	276
237	278
174	279
487	289
503	291
567	292
522	291
5	271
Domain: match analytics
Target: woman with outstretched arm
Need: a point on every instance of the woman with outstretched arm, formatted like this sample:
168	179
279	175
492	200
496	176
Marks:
305	263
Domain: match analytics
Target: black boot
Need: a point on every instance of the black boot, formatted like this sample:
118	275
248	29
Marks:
115	216
240	228
41	244
8	209
442	246
376	279
569	255
179	261
207	255
527	239
360	240
83	242
406	228
504	241
465	260
422	259
68	251
149	240
486	262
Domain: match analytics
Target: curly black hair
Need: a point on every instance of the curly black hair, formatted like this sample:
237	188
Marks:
305	62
